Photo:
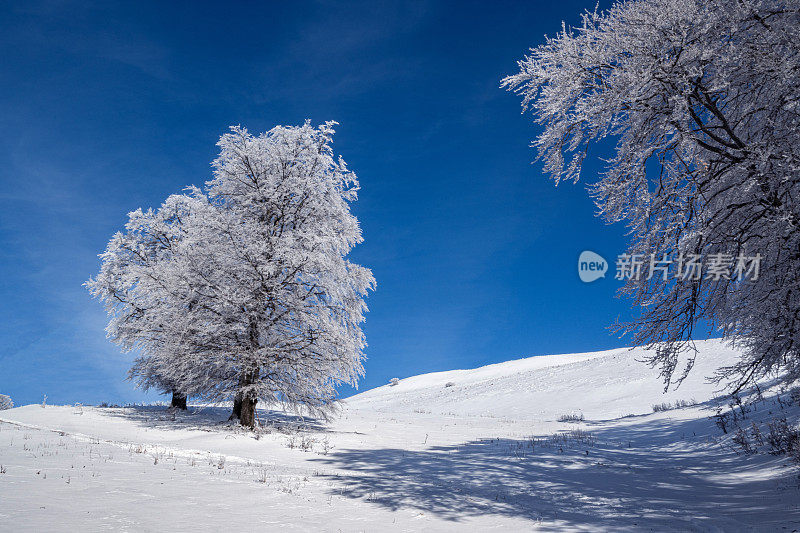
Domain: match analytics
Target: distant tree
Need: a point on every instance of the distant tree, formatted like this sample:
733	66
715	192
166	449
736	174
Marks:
5	402
703	101
244	291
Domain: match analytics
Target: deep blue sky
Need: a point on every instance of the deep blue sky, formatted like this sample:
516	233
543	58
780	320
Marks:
106	109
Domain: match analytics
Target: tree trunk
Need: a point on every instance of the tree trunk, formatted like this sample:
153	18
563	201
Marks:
244	409
178	400
237	408
248	414
237	399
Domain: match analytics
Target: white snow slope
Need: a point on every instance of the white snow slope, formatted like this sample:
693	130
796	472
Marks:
486	453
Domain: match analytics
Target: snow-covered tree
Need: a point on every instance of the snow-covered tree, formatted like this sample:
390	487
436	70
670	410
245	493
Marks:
5	402
291	300
244	291
702	100
148	284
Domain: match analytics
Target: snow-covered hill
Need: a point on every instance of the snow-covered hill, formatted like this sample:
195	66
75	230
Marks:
607	384
476	450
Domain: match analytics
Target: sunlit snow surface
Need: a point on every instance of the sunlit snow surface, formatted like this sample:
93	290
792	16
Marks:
478	455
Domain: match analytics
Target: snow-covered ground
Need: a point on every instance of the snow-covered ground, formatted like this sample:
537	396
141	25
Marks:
485	453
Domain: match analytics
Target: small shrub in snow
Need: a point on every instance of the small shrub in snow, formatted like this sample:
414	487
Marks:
307	443
783	439
679	404
758	438
304	442
573	437
741	439
721	420
5	402
393	382
775	435
450	384
571	418
794	396
326	446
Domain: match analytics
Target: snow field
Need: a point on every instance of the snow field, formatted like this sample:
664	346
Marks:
485	453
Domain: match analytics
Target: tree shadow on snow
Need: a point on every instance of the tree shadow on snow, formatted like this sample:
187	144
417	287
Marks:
661	474
210	418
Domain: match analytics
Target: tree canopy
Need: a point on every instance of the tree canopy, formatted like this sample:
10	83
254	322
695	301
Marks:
701	100
243	290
